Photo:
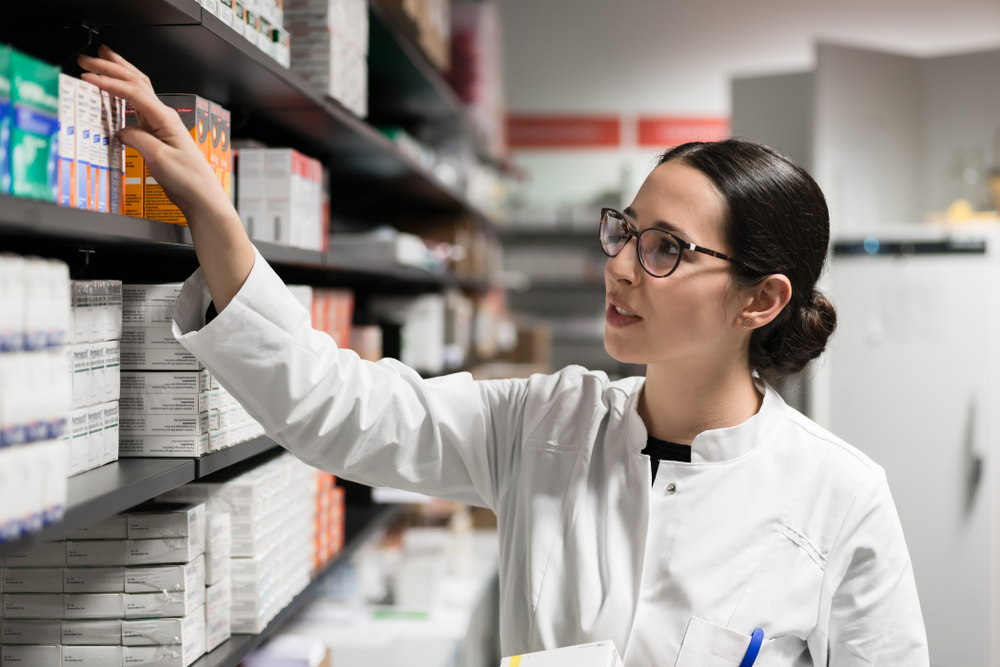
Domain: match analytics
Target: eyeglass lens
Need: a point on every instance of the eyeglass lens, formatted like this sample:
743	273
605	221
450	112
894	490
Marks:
659	252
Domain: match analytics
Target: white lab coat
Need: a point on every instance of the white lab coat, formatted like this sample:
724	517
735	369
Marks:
774	524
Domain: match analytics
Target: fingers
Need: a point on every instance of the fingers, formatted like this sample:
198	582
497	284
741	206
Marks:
114	70
155	115
141	140
107	54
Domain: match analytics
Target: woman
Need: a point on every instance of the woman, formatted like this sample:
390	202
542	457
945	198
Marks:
673	514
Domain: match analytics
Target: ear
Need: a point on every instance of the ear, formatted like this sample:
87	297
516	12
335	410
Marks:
765	301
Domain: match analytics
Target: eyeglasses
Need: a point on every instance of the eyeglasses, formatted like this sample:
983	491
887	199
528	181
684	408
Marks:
659	250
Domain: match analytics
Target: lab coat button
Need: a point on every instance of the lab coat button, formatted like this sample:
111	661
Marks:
671	488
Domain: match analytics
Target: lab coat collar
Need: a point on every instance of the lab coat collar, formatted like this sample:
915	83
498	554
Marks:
717	445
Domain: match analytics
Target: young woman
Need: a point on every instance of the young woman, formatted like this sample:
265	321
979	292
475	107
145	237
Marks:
674	514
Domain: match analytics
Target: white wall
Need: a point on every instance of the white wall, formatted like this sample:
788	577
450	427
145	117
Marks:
677	57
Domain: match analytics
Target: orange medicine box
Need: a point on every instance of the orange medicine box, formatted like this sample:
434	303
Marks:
195	114
221	151
135	168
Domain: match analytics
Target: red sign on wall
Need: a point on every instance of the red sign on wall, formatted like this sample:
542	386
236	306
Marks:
564	131
666	131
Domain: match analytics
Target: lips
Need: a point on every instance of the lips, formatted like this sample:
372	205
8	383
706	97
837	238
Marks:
620	315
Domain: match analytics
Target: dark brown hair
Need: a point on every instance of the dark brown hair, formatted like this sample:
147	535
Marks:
777	222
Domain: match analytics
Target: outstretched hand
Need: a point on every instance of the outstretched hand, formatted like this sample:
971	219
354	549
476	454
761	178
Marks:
179	167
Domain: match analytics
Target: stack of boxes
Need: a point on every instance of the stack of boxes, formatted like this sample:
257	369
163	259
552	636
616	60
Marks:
219	591
329	48
273	509
209	125
35	393
281	197
170	405
95	370
129	590
29	126
329	519
259	21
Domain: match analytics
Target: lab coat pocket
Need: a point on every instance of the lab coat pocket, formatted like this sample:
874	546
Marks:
708	645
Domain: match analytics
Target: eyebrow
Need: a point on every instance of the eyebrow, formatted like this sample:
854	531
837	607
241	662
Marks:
660	224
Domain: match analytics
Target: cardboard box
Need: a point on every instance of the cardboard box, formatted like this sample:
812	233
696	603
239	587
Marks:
46	554
166	359
67	140
96	553
94	605
165	446
195	114
163	656
135	169
41	606
115	527
31	656
164	520
92	633
165	551
32	580
164	605
34	127
596	654
132	424
92	656
166	404
30	632
93	580
104	156
159	382
94	115
165	631
169	578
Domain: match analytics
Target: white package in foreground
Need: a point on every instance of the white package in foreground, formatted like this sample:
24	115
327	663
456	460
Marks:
164	655
165	631
165	520
597	654
168	578
30	632
92	633
31	656
86	656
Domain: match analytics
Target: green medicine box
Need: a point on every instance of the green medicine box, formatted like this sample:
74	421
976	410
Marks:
34	127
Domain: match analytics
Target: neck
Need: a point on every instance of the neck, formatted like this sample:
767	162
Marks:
678	403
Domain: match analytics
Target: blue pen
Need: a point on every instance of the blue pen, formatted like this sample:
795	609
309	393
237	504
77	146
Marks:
756	639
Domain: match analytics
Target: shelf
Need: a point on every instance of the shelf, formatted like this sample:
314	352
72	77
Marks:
405	89
224	458
124	247
183	49
108	490
362	523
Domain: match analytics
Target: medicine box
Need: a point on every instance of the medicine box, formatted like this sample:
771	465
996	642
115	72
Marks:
103	156
132	423
218	613
5	53
158	520
194	113
164	655
135	169
165	551
167	404
46	554
596	654
82	143
114	527
97	553
67	145
94	114
159	382
40	606
117	157
93	580
166	359
30	632
34	127
218	547
166	446
165	631
92	633
30	656
169	578
164	605
32	580
91	656
94	605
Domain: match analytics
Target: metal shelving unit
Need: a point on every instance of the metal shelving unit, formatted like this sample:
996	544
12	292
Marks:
182	48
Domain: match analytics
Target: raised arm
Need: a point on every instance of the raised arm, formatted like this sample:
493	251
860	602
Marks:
224	251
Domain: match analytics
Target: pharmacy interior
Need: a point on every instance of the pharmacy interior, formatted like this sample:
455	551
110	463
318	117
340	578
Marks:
427	178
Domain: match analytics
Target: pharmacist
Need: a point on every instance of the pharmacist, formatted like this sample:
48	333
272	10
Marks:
673	514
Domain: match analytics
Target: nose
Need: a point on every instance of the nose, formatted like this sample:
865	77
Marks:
624	267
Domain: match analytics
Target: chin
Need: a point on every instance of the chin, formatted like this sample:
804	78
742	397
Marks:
619	350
